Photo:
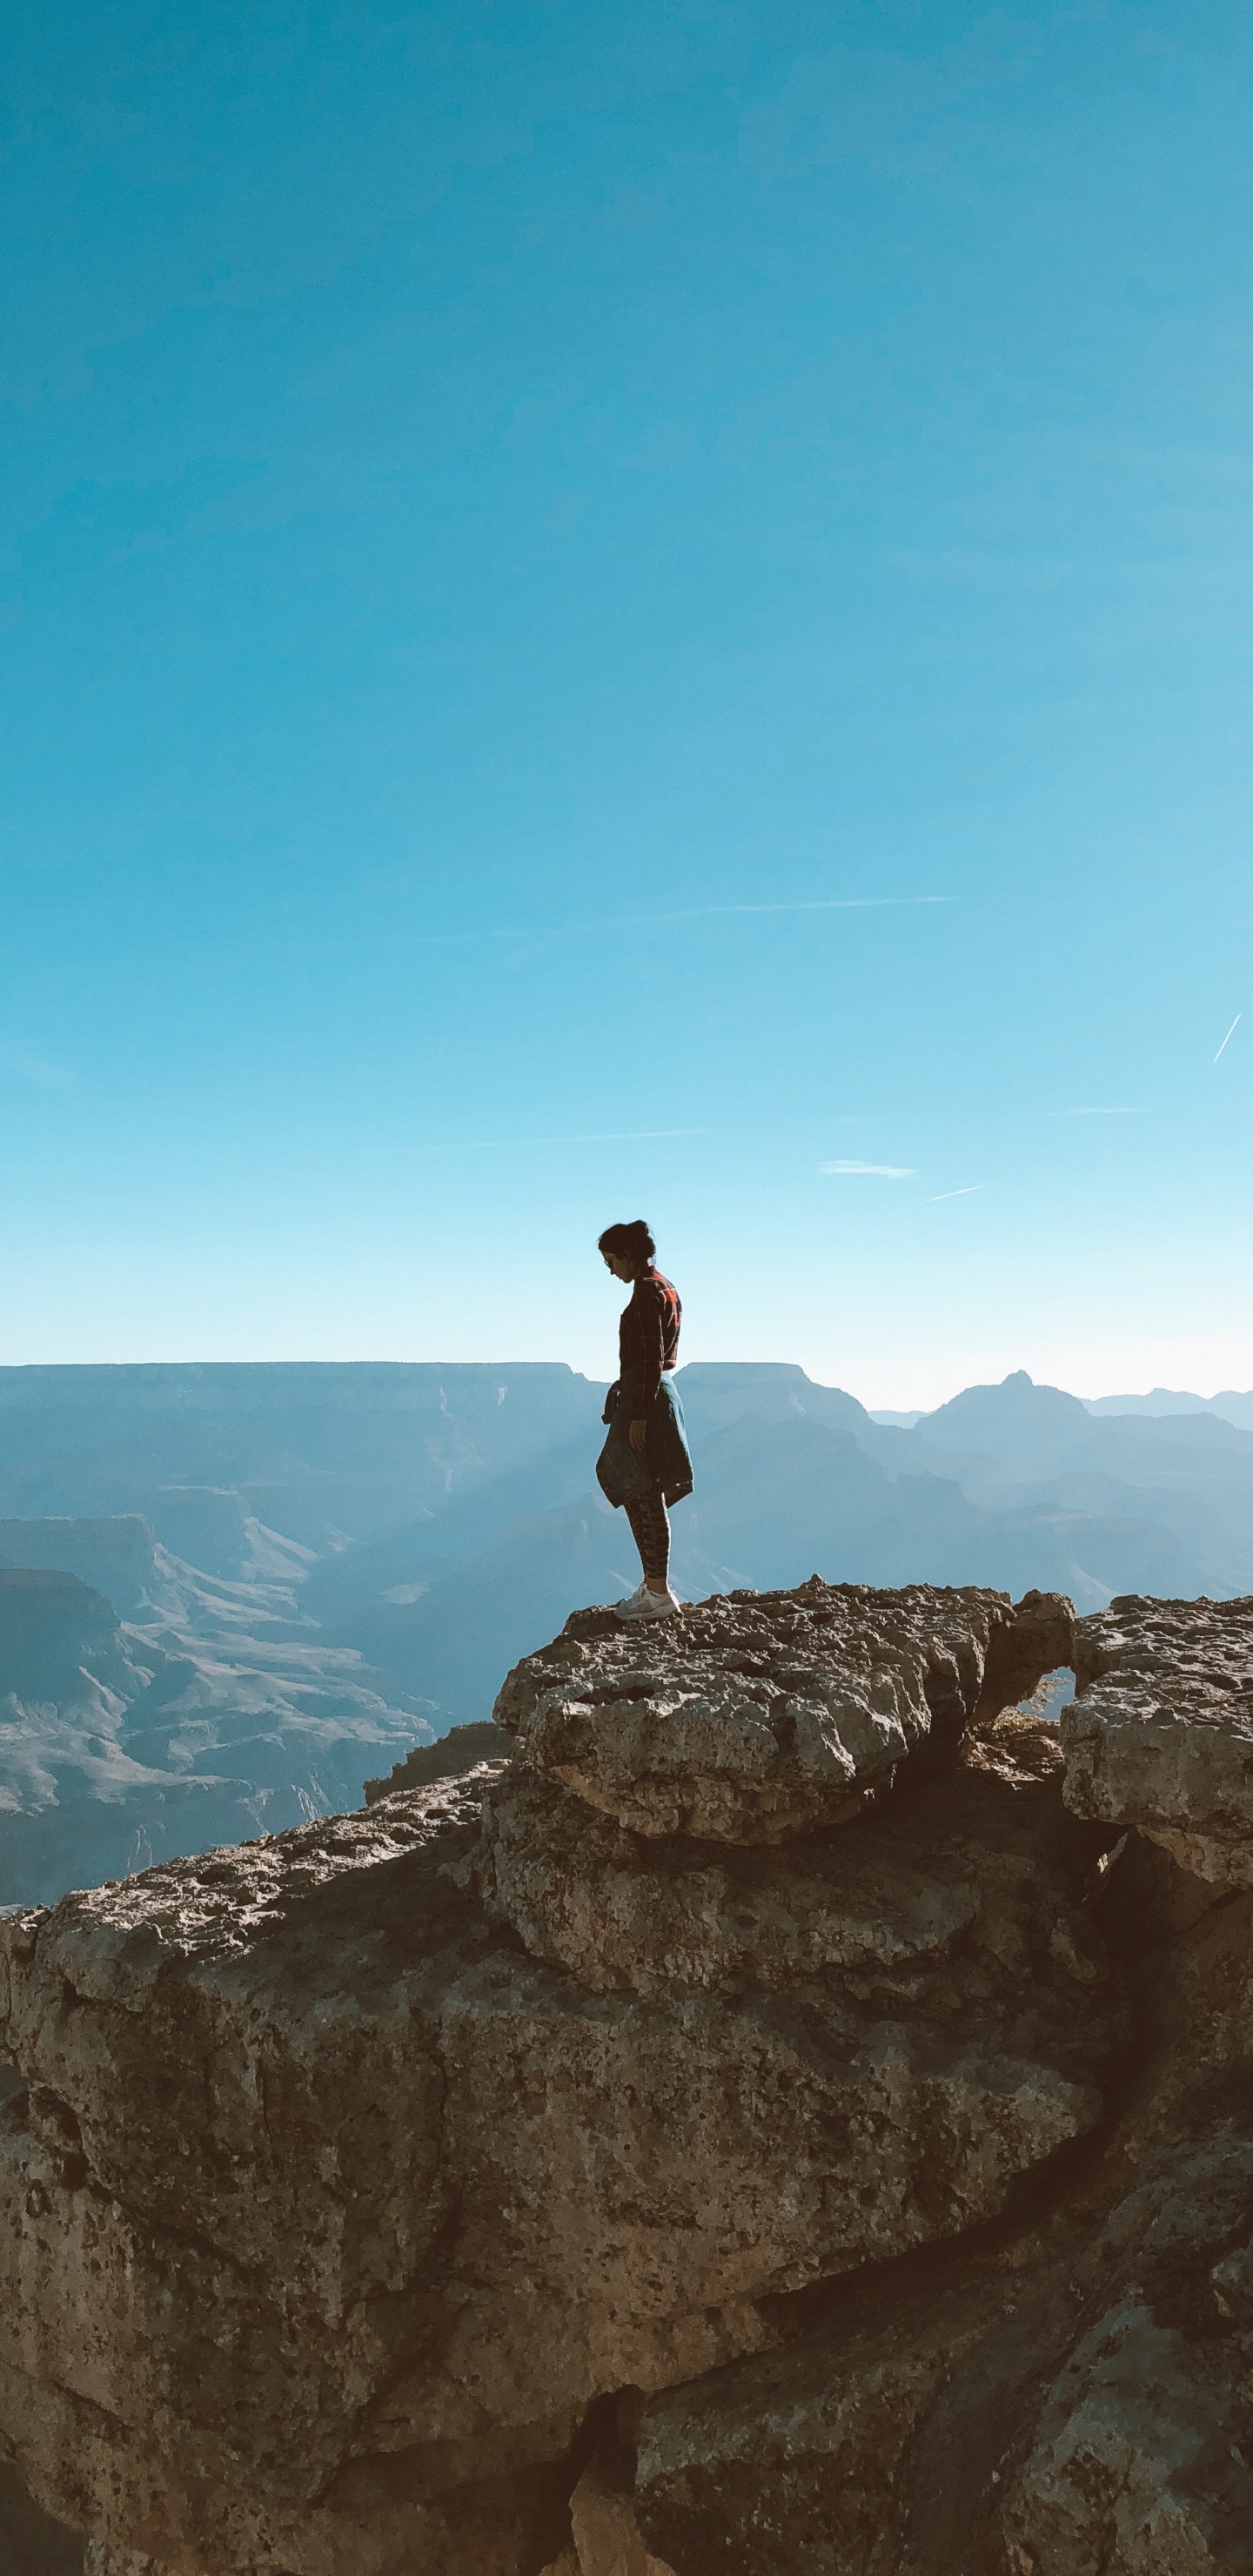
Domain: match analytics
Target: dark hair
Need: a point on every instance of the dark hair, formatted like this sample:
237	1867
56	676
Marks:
631	1243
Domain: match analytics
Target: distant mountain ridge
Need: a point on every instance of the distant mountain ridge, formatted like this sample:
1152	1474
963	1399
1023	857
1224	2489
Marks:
306	1447
306	1569
1229	1404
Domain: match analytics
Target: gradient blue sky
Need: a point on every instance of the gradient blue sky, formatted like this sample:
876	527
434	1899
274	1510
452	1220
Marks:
629	610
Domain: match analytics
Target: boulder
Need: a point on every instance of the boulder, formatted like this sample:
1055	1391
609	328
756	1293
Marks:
642	1916
1160	1734
952	1902
755	1716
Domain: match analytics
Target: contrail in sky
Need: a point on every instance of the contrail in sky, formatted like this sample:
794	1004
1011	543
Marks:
1230	1034
967	1193
874	1171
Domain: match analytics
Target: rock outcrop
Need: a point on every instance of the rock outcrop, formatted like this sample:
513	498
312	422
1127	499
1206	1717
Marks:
1080	2413
665	2151
1162	1735
758	1716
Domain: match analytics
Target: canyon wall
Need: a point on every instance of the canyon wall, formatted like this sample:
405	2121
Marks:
791	2114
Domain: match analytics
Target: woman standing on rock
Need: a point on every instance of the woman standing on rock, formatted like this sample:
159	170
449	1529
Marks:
645	1462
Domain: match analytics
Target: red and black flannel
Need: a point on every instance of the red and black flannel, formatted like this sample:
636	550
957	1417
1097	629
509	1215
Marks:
648	1338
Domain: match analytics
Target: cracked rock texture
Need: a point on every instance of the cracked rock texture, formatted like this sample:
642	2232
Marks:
664	2151
1162	1736
759	1715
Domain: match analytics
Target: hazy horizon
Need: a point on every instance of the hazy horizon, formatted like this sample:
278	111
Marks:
231	1594
599	1376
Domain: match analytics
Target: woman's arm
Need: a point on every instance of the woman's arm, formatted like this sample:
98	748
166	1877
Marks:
648	1308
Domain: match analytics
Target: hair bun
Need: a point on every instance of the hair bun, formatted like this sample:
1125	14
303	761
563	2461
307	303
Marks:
631	1243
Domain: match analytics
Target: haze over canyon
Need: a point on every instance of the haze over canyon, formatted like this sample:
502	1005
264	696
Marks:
231	1594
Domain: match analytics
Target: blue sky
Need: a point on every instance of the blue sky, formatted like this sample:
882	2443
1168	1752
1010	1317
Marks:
629	611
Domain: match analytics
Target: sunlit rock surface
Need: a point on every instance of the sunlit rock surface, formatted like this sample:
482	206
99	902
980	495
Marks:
760	1715
483	2184
1162	1734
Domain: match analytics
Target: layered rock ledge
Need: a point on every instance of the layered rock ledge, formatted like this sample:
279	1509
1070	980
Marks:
1161	1736
757	1716
761	2126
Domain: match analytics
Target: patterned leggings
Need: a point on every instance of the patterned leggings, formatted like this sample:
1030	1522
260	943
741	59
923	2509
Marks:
650	1524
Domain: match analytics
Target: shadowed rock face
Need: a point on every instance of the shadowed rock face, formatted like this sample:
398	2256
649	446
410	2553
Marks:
57	1638
941	1912
1093	2417
484	2184
31	2543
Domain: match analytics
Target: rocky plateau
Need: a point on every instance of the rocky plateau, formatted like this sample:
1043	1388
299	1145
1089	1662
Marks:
786	2110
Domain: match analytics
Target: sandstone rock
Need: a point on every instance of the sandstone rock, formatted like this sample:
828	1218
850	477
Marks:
761	1715
1161	1733
1064	2394
567	2192
509	2178
1140	2457
949	1904
222	2194
793	2467
1078	2409
351	2170
31	2543
607	2536
625	1914
1140	1895
100	2560
1127	2427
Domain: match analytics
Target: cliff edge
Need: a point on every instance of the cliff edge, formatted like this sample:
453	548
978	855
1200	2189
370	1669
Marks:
793	2115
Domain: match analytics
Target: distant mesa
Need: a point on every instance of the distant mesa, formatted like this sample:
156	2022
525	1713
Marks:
313	1570
449	1759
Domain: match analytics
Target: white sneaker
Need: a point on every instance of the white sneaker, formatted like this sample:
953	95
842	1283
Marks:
647	1605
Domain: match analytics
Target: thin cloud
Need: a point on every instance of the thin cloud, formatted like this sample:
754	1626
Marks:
1230	1034
507	1144
968	1193
872	1171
